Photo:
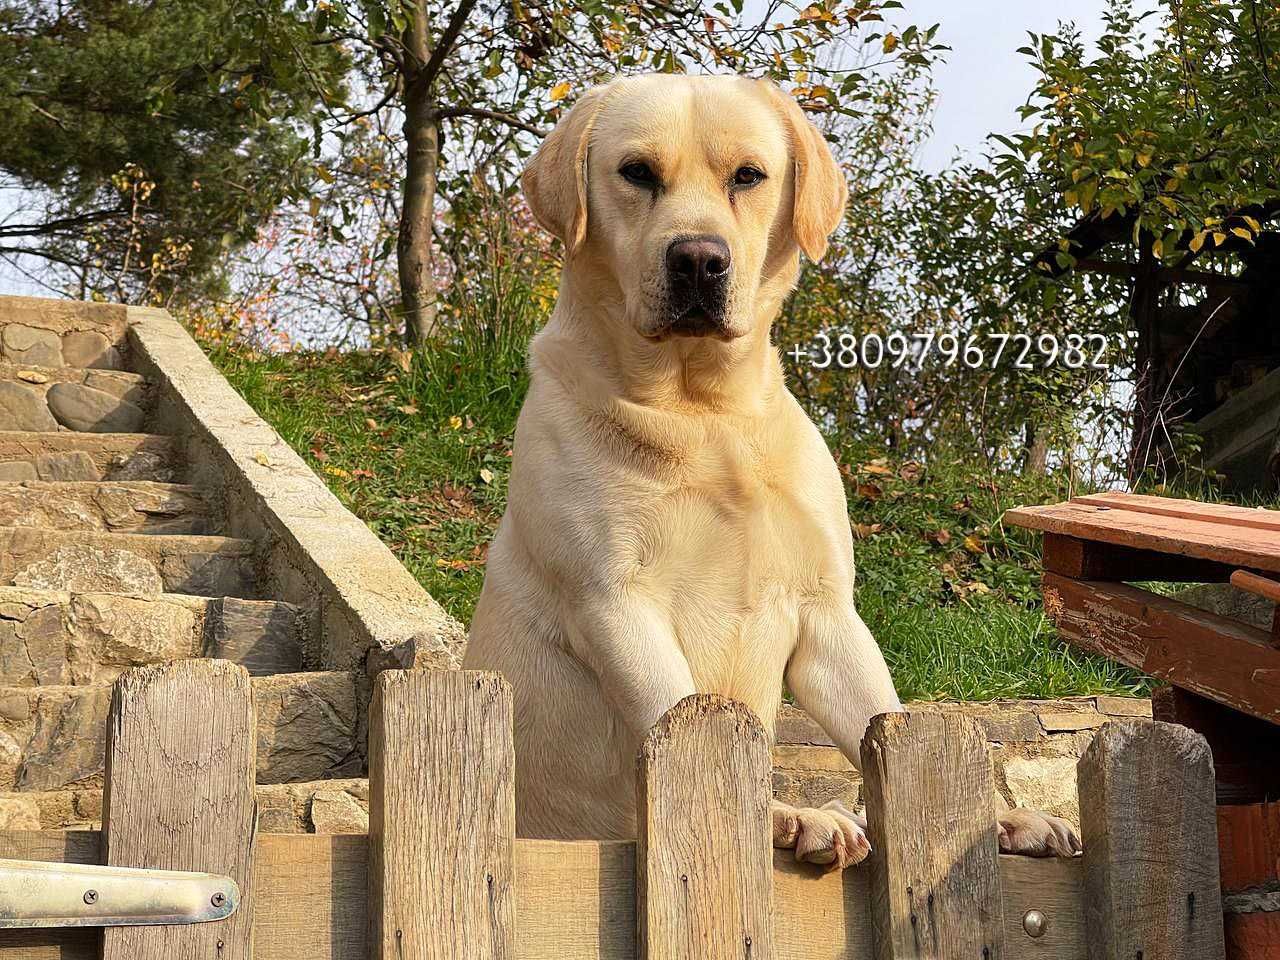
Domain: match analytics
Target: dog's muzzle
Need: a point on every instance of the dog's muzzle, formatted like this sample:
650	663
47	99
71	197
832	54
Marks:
698	270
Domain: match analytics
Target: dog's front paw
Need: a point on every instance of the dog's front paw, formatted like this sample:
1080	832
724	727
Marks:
832	836
1031	833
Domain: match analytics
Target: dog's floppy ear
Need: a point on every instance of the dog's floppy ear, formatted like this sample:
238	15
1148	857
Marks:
555	179
820	187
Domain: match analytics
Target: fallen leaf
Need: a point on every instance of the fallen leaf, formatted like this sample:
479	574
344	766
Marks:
870	491
32	377
486	475
863	530
455	422
940	537
335	471
371	423
560	91
879	468
973	544
408	409
262	458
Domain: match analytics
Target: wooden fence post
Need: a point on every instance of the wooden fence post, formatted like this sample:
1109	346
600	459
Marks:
179	796
1149	828
935	880
704	849
442	817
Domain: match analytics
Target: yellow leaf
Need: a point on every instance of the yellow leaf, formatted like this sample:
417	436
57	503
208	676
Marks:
1242	233
408	409
262	458
1078	149
455	422
323	173
1071	198
315	207
1168	204
486	475
371	423
973	544
890	42
1197	242
1253	224
1157	247
335	471
1219	239
560	91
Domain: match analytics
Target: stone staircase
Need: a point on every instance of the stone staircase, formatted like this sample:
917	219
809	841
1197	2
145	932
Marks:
123	542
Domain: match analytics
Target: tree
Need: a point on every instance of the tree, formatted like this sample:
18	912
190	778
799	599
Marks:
143	139
1166	145
492	76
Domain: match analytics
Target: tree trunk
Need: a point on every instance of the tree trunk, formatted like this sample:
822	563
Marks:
422	143
1035	451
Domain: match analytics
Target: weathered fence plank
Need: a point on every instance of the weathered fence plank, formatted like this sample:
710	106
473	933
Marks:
1150	844
935	882
575	900
441	817
704	858
180	796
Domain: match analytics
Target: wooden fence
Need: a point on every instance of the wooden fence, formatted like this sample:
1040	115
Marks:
441	876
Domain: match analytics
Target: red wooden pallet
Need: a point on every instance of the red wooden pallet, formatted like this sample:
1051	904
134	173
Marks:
1224	674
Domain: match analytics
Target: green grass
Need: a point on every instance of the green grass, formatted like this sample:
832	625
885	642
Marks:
420	450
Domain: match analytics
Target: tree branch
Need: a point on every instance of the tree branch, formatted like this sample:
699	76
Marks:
446	113
431	69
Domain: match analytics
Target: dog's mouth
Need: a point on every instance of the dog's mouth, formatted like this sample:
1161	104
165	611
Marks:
693	321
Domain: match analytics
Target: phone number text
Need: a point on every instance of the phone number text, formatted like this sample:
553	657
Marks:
1021	351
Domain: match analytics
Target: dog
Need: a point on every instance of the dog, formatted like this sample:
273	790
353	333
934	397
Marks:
675	522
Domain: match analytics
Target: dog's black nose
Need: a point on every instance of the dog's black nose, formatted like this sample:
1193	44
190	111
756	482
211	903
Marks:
700	263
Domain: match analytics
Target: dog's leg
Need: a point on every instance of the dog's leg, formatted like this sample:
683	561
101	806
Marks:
629	644
839	676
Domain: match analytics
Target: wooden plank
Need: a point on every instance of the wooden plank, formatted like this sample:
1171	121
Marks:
1246	750
1240	546
179	796
1263	587
1226	513
1218	658
1091	560
1054	888
442	816
935	879
704	864
313	896
1147	817
574	901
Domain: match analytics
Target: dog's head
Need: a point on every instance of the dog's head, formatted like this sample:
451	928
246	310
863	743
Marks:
692	195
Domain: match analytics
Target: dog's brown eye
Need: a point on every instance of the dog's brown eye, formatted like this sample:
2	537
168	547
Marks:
640	174
747	177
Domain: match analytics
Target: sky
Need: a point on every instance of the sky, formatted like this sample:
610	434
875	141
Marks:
984	79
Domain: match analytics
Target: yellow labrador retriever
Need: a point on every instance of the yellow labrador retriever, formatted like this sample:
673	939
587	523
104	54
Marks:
676	523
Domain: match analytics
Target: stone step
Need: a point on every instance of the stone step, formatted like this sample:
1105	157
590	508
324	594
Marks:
72	398
49	637
87	456
135	563
131	506
317	806
54	738
62	333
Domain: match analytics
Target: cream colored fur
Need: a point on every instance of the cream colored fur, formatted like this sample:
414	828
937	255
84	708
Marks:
675	522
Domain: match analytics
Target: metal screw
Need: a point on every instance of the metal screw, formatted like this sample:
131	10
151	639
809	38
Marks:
218	899
1035	923
91	896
